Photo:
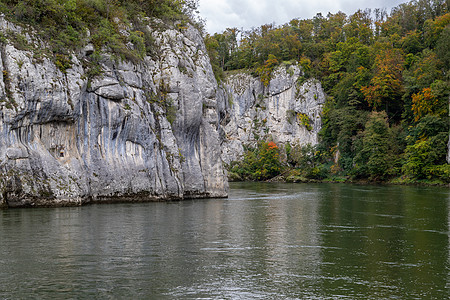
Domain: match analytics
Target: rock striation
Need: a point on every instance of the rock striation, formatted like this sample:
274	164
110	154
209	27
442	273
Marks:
288	110
139	131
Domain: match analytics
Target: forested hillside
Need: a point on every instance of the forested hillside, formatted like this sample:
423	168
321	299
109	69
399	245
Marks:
387	80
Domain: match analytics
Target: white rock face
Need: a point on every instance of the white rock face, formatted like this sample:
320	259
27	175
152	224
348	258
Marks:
141	131
251	112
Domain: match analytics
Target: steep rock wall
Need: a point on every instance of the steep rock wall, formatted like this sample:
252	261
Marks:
140	131
288	110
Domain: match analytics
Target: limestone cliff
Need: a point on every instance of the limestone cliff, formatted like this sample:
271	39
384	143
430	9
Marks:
288	110
139	131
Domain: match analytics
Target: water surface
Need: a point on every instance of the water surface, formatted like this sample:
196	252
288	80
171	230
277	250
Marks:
267	241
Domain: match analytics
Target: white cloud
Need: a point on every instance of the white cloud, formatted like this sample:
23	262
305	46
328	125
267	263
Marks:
222	14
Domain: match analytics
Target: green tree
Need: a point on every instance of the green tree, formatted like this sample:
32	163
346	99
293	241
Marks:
411	42
374	160
442	50
427	147
212	46
360	26
265	71
434	28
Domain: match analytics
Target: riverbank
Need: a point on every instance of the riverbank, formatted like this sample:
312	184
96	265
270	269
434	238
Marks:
288	177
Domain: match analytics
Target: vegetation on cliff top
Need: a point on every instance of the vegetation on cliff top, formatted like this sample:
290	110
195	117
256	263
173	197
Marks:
117	26
387	77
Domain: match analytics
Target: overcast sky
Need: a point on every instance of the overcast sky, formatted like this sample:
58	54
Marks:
220	14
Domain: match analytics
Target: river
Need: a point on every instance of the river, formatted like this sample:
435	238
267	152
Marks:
266	241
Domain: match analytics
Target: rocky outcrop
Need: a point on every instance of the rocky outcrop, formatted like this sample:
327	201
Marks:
139	131
288	110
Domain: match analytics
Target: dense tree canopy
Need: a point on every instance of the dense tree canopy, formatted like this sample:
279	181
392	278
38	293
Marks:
386	75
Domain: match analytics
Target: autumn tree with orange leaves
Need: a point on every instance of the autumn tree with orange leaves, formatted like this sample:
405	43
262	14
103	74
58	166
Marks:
386	85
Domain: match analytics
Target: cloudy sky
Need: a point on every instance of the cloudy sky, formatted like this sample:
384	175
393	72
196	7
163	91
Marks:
220	14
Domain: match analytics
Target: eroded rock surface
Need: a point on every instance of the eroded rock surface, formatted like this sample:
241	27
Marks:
140	131
288	110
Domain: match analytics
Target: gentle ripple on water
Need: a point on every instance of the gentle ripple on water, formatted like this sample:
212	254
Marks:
267	241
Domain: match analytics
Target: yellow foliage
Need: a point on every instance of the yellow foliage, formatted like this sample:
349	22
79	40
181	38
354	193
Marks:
423	103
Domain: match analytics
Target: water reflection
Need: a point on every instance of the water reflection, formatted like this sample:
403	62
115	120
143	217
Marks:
270	241
397	245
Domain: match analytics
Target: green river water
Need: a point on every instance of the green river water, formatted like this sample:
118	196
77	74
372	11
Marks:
266	241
